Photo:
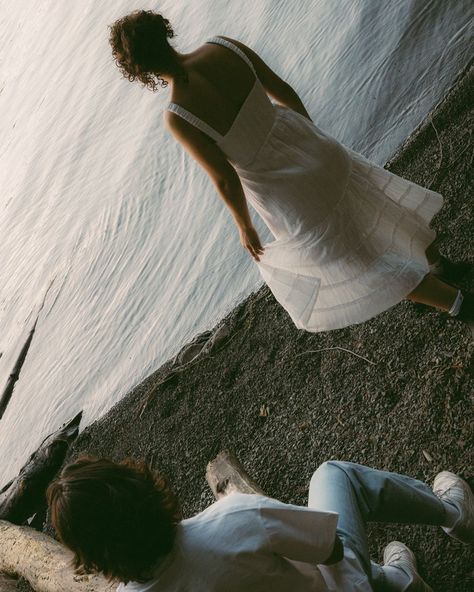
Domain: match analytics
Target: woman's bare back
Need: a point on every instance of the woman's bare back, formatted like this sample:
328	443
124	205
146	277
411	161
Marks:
217	86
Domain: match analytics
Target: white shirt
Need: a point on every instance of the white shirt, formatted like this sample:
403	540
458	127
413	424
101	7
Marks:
251	543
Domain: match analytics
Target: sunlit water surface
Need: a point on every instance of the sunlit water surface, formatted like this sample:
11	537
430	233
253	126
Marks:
102	208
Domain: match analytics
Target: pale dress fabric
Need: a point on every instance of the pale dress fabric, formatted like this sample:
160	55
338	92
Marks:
350	237
250	543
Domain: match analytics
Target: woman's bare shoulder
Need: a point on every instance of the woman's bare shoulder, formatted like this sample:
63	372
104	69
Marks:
247	50
270	80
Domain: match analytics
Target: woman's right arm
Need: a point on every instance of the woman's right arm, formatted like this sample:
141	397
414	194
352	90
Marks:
222	174
277	88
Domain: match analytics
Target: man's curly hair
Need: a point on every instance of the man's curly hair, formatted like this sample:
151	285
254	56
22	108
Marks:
141	49
118	518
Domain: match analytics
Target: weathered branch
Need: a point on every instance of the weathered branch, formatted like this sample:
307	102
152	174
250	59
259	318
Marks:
43	562
15	373
225	474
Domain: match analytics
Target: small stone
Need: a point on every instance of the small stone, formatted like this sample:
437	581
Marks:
427	455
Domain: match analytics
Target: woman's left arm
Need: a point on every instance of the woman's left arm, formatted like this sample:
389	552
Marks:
222	174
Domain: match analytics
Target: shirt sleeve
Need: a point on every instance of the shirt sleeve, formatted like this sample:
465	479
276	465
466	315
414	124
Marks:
297	532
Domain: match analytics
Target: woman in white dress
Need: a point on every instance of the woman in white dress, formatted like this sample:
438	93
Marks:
351	239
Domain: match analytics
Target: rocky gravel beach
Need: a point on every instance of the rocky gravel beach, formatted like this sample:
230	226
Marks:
394	393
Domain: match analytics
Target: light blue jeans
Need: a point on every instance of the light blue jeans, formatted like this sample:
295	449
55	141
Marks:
361	495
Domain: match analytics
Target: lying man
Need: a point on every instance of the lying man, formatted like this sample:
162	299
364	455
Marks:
122	520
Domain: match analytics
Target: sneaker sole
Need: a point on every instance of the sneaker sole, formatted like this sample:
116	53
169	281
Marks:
469	504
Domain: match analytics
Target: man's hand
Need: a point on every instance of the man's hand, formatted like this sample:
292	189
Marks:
337	552
250	240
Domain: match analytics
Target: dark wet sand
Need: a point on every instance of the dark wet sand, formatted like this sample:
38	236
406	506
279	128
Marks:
410	410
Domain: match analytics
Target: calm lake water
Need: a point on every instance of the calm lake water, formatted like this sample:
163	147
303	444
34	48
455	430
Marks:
102	208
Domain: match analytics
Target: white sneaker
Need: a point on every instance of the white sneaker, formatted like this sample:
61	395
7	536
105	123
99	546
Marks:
397	554
454	490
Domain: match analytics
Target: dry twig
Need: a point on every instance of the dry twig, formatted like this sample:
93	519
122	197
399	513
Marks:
315	351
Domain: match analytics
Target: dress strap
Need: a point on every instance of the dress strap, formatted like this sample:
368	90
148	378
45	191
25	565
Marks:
195	121
234	48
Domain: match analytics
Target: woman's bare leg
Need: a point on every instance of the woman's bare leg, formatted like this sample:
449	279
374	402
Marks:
443	268
432	253
434	292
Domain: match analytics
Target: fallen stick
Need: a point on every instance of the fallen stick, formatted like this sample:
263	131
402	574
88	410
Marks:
225	475
349	351
5	487
15	373
43	562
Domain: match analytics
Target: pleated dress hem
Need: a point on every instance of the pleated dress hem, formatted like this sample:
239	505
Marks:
385	264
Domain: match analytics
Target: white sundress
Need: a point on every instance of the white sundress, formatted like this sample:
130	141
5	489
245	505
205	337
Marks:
350	237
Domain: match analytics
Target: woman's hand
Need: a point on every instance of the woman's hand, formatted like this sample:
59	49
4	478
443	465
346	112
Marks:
249	240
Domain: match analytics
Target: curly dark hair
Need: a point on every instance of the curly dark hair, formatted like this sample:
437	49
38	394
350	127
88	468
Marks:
141	49
118	518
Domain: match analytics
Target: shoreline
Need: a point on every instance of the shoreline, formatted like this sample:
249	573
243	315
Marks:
394	393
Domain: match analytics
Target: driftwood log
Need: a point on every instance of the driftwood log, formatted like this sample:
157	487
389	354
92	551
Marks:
43	562
26	494
225	474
